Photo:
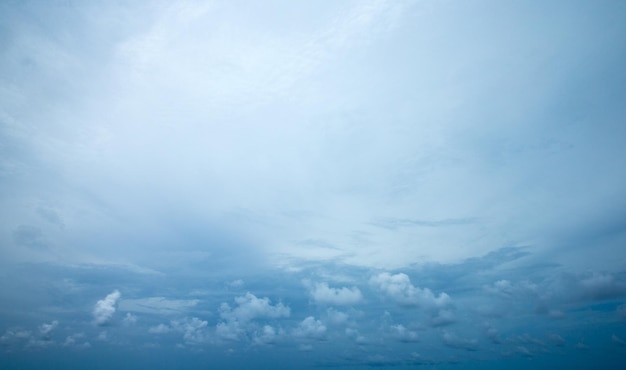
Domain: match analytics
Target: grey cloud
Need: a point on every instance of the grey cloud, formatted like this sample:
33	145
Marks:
46	329
29	236
618	340
454	341
157	305
556	340
402	334
51	216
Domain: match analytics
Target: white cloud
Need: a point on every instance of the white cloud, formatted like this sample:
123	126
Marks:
310	328
249	307
105	308
399	288
323	294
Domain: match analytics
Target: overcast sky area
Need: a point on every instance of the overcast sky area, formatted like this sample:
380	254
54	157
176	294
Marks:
320	184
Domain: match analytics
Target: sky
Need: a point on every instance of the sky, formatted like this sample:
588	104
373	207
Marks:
322	184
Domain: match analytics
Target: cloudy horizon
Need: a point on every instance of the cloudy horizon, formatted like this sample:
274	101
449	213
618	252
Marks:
329	184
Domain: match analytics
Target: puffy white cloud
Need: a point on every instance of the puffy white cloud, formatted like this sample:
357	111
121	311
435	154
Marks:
399	288
324	294
310	328
105	308
250	307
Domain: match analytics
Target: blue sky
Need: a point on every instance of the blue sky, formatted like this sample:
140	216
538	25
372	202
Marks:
277	184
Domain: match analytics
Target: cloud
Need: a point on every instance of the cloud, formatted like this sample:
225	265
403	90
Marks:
492	334
249	307
46	329
29	236
237	321
402	334
193	329
159	329
454	341
130	319
105	308
599	286
323	294
310	328
335	317
618	340
158	305
556	340
399	288
267	335
72	341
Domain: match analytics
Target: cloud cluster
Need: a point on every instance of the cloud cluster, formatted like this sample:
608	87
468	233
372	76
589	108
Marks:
323	294
237	321
399	288
105	308
250	307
